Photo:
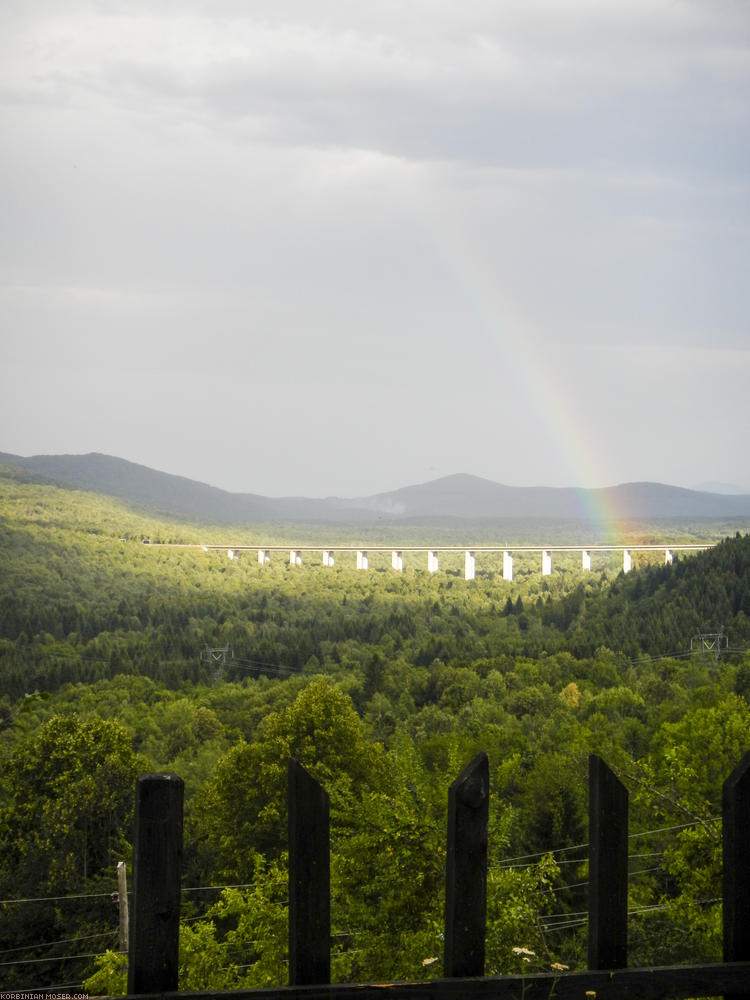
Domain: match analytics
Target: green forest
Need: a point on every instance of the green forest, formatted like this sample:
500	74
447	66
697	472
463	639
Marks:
120	658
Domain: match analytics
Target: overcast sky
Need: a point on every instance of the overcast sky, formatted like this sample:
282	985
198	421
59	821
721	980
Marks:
337	247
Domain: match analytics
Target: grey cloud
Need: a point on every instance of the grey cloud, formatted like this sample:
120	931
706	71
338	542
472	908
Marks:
456	225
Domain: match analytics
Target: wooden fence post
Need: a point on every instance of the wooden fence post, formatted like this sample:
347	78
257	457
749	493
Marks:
608	868
122	901
466	870
157	862
309	879
736	851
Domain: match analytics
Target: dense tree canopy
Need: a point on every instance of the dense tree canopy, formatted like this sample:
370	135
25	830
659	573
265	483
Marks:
383	685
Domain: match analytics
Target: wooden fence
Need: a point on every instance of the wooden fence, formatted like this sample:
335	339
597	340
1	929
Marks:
155	913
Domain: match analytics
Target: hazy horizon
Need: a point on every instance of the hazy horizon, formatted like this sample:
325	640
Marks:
728	489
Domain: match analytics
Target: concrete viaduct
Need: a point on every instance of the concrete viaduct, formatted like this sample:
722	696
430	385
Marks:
470	554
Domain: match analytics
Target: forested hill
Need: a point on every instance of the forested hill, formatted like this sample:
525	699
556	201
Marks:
119	658
156	491
80	599
458	497
661	609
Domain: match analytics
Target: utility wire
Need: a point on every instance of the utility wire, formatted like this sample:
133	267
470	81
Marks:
52	944
102	895
510	862
55	899
54	958
505	863
244	885
579	918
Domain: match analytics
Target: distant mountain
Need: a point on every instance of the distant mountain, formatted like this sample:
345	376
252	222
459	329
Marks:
728	488
465	496
458	497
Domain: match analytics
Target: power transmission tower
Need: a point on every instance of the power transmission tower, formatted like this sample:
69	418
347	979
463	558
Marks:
710	642
217	658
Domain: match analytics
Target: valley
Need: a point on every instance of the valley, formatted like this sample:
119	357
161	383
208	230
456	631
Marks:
119	658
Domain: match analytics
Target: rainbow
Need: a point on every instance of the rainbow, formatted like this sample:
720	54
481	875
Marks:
508	339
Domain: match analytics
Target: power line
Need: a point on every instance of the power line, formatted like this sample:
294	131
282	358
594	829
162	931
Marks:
54	958
510	862
55	899
262	665
505	863
51	944
244	885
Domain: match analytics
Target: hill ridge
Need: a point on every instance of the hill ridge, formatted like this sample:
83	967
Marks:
458	496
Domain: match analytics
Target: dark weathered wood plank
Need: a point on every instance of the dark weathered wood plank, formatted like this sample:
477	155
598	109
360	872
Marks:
309	879
736	851
608	868
466	870
679	982
157	869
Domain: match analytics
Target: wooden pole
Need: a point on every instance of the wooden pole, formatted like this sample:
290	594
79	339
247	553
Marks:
155	927
466	870
122	898
736	851
309	879
608	868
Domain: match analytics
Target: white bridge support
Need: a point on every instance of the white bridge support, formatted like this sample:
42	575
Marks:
470	565
265	552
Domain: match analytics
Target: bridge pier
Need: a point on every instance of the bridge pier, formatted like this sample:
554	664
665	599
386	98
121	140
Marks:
470	565
230	553
328	559
546	563
295	557
362	561
627	561
585	559
507	566
397	561
263	557
667	557
432	561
